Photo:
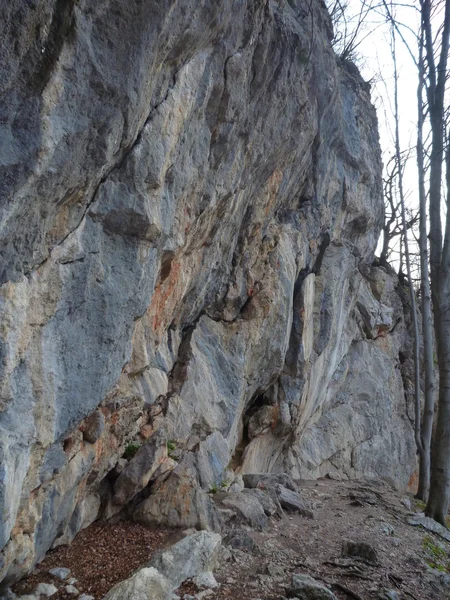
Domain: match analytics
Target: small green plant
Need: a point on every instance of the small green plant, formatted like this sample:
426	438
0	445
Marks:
438	556
225	483
214	489
171	447
420	505
131	450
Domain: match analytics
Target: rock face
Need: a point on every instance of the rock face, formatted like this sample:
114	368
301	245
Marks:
191	201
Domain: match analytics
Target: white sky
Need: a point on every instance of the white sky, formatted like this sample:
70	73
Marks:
376	65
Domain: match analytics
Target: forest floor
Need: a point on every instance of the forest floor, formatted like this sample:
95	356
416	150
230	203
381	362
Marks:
409	562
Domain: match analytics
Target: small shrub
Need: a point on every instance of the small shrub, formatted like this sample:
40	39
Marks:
131	450
214	489
438	556
171	447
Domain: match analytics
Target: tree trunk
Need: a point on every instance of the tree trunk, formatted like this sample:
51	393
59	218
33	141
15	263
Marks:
439	261
427	320
440	477
412	294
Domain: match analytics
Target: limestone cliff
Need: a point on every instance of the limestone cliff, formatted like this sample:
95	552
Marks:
190	203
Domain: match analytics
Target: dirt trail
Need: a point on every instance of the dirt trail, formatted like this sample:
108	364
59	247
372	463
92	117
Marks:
412	562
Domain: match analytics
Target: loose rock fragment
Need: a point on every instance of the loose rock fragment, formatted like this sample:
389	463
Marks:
45	589
305	587
60	572
359	550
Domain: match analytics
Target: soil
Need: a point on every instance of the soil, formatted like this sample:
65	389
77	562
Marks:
410	560
100	556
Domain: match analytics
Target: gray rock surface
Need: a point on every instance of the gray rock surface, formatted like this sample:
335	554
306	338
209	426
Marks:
420	520
248	509
205	580
292	501
191	556
239	539
359	550
45	590
192	201
60	572
179	500
265	480
305	587
145	584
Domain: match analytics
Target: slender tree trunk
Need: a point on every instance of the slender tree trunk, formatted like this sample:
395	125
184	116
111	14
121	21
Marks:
412	295
440	481
427	321
439	496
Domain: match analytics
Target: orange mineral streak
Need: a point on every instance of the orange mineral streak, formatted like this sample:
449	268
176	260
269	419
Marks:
272	187
165	299
413	482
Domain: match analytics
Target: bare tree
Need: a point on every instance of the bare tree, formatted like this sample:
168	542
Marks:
393	239
435	71
424	446
351	26
416	334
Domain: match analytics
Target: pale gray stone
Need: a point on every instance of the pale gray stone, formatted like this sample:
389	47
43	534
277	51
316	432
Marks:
205	580
145	584
305	587
420	519
189	557
60	572
248	509
45	589
292	501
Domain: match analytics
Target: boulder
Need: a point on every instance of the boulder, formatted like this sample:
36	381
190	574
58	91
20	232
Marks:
145	584
269	502
239	539
191	556
177	500
292	501
420	519
45	589
139	470
248	509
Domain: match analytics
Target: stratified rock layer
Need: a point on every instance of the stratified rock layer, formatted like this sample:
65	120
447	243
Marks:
191	200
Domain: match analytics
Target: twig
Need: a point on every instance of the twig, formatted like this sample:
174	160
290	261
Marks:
358	576
342	565
347	591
